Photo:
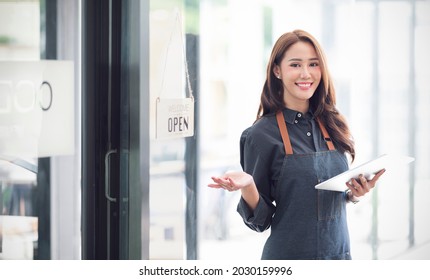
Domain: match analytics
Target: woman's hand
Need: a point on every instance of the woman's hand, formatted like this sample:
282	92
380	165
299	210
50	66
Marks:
232	181
360	186
238	180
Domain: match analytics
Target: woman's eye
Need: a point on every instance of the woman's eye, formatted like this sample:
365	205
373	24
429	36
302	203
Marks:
295	65
314	64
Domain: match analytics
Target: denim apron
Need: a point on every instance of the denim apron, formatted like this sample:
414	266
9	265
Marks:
308	223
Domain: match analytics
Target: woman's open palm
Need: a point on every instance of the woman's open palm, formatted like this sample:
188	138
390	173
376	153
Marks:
232	181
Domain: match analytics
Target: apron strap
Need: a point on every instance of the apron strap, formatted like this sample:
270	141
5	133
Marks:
284	133
326	136
286	138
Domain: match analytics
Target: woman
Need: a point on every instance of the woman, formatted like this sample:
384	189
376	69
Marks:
298	140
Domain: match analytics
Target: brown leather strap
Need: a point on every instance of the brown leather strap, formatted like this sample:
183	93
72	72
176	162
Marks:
326	136
286	138
284	133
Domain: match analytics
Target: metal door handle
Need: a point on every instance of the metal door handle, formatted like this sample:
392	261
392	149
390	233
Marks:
107	172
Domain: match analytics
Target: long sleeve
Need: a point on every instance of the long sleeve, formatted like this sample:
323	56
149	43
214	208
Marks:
255	163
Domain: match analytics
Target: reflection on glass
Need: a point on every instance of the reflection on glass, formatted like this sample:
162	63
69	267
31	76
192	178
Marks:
18	221
19	40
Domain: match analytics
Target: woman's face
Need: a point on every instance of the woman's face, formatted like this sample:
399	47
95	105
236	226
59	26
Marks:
300	74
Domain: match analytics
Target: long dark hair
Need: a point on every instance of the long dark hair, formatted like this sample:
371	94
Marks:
323	101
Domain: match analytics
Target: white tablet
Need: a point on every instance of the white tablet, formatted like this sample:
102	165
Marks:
368	169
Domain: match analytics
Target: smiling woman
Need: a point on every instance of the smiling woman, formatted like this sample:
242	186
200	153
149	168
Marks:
383	94
298	59
298	140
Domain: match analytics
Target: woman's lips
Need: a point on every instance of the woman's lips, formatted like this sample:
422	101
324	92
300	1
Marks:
304	85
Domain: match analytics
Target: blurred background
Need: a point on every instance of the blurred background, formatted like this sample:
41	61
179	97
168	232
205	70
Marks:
377	53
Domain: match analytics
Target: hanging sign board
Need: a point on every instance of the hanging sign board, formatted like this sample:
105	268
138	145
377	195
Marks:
175	118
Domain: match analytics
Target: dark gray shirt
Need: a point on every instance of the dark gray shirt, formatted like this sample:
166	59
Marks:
262	154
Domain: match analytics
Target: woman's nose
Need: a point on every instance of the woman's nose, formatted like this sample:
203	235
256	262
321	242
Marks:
305	73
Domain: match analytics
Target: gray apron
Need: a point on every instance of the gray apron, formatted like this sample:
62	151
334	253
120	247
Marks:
308	223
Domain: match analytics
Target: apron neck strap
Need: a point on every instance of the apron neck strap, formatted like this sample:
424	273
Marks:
326	136
284	133
286	138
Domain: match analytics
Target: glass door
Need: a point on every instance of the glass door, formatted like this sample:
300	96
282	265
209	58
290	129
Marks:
115	126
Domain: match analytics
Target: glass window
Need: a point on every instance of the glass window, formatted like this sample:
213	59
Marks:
39	184
19	40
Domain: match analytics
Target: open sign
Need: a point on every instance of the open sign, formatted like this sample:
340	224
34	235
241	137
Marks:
175	118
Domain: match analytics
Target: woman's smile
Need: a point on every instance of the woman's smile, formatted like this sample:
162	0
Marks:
304	85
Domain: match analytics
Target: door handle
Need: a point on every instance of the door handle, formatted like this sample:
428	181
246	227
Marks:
107	172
